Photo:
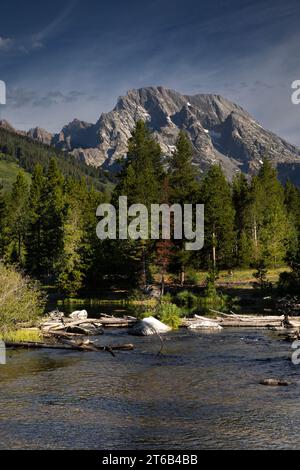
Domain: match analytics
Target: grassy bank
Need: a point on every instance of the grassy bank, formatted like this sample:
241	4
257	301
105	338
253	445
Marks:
236	276
21	335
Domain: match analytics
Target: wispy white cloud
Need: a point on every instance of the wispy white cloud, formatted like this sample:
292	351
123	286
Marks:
37	40
5	44
56	25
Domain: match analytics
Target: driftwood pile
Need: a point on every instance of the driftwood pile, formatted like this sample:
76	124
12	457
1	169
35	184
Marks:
95	326
68	325
68	333
56	322
232	320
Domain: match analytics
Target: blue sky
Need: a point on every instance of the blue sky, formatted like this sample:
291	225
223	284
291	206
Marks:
70	59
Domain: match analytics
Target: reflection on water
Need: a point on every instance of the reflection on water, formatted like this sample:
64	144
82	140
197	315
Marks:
202	393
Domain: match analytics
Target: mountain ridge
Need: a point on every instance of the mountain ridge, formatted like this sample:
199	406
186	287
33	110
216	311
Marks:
221	132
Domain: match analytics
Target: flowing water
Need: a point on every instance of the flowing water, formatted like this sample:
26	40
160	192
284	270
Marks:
203	392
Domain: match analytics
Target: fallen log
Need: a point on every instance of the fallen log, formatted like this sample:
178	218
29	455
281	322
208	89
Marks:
35	345
231	314
69	346
117	322
245	321
69	324
204	323
250	323
87	331
103	321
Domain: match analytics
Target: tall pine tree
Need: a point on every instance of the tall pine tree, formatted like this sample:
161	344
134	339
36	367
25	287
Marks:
219	219
18	216
242	205
141	182
184	189
35	230
272	229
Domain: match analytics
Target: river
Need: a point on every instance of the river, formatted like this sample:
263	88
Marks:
203	392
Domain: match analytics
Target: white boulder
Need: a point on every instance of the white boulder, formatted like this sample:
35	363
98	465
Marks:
79	315
149	326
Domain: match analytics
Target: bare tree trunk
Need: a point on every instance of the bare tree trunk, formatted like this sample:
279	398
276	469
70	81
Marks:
19	247
214	251
162	288
143	281
182	276
255	236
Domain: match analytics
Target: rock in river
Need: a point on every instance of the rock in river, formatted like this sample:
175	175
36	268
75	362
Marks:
149	326
274	382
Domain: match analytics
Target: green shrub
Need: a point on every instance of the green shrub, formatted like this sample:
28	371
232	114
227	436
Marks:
187	298
144	314
192	276
20	299
212	299
166	299
261	275
169	314
289	282
137	295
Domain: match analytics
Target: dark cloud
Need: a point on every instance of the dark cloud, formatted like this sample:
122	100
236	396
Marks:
19	98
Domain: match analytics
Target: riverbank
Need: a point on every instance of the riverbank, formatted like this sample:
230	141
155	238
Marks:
120	302
238	283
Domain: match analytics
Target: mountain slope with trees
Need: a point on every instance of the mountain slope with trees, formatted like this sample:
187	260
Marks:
22	151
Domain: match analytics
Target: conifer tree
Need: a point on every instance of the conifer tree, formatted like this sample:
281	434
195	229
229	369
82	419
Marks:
52	223
242	205
272	229
219	219
141	181
35	233
164	247
182	173
141	177
70	265
184	189
18	212
3	226
98	257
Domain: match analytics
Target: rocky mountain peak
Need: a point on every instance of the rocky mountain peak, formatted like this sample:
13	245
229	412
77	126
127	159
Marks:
74	135
37	133
6	125
221	132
